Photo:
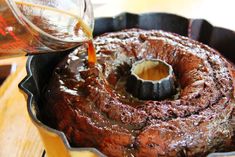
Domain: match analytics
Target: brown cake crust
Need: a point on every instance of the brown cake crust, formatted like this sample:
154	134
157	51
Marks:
91	106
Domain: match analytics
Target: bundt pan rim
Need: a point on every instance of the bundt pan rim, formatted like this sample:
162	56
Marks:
197	29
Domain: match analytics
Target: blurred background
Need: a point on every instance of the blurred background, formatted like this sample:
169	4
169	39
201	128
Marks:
218	12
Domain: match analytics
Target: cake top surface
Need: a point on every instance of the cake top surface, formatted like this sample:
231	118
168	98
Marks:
203	75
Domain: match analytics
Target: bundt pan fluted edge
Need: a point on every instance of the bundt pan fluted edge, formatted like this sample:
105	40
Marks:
40	67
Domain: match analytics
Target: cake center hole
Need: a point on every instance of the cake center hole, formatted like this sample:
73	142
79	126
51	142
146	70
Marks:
152	70
151	79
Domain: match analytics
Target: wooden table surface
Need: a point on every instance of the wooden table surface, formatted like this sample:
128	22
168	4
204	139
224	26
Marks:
18	136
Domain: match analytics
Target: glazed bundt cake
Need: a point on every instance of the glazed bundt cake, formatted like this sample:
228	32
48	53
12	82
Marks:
91	105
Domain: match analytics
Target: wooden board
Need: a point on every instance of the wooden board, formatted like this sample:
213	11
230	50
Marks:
18	136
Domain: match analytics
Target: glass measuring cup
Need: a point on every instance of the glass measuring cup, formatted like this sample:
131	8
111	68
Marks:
41	26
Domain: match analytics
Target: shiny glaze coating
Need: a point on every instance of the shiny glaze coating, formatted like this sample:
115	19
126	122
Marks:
91	106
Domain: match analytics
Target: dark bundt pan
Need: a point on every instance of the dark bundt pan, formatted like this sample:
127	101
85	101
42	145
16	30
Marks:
40	67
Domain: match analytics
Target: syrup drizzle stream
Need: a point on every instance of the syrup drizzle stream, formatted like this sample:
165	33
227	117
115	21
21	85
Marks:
91	52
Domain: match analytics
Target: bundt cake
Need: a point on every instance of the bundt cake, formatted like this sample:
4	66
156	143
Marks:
91	105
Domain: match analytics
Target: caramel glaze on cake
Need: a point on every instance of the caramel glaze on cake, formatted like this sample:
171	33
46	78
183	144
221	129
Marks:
91	106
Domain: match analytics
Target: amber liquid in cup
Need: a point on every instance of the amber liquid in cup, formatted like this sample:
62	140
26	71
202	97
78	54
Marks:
45	29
